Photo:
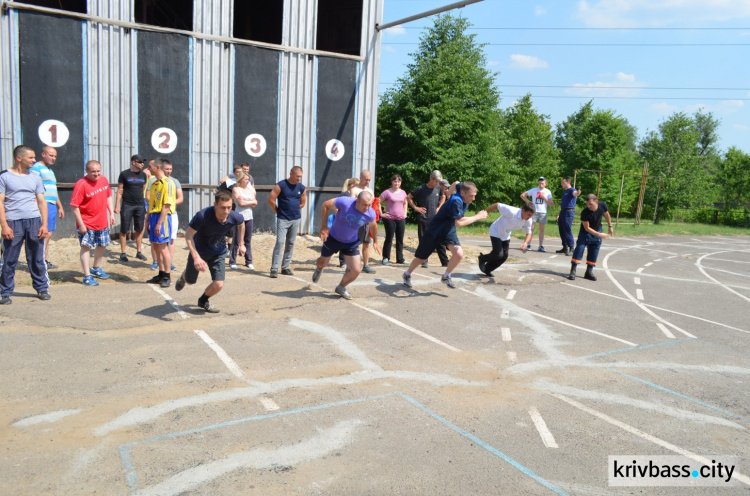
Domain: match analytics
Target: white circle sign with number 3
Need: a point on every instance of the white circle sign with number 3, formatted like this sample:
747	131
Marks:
164	140
53	133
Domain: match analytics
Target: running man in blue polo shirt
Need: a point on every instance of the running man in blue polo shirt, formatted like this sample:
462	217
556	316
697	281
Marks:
442	229
351	215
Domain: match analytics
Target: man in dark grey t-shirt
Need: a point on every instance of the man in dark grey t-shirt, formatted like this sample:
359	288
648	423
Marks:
430	198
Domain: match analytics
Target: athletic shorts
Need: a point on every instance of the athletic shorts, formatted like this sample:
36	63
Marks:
51	216
165	235
175	223
364	234
134	213
333	246
94	238
429	244
540	218
216	266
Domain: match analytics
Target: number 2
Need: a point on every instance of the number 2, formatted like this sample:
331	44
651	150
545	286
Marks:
165	143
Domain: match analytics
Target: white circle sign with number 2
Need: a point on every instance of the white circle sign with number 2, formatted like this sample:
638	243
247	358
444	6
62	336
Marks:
164	140
53	133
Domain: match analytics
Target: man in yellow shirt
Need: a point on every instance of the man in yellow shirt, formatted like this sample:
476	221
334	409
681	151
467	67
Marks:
161	203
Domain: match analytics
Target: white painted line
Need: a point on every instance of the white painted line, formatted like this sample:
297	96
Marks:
640	269
657	260
664	329
633	299
511	294
231	364
595	291
637	280
648	264
582	328
700	267
406	326
169	300
521	278
698	318
726	271
673	256
644	435
505	314
553	256
639	293
268	404
505	331
46	418
541	426
512	357
337	338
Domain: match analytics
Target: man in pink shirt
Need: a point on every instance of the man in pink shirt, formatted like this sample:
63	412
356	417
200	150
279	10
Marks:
93	211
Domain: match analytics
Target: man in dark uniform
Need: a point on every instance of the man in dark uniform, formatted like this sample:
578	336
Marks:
566	216
430	197
590	236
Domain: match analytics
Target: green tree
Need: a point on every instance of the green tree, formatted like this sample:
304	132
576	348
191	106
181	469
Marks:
531	149
443	114
678	156
733	178
598	140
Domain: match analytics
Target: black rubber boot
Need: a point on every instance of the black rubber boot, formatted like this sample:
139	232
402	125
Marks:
589	273
572	275
564	250
568	251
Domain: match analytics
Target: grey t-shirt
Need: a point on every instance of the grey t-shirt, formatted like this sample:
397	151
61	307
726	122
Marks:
20	195
429	198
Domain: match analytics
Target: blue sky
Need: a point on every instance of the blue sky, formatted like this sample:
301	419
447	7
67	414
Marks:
644	59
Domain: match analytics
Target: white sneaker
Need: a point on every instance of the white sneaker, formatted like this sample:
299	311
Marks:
233	266
250	266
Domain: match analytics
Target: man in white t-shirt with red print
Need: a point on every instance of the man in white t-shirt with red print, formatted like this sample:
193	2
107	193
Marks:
541	197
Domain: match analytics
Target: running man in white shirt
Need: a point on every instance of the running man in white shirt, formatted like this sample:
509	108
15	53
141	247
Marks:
510	218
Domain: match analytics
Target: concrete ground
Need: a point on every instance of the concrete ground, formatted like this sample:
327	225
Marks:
524	383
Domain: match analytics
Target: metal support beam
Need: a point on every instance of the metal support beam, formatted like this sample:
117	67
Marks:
452	6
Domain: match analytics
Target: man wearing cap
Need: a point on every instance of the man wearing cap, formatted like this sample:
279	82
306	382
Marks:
430	197
567	213
130	187
541	197
54	206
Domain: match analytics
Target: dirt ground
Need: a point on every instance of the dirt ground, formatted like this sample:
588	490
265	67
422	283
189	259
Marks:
65	254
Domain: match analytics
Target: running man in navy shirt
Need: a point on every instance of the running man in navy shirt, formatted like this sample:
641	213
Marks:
351	215
206	240
442	229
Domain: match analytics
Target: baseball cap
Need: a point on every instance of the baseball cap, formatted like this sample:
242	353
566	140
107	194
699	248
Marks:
542	178
137	158
445	183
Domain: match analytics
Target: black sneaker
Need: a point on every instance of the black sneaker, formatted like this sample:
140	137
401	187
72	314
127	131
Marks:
5	300
140	256
482	262
43	295
179	284
208	307
274	274
155	280
123	257
448	281
165	282
287	272
316	274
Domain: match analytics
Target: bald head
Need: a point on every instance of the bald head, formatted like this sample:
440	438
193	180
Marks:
49	156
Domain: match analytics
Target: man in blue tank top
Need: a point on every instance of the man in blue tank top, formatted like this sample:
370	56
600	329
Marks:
286	200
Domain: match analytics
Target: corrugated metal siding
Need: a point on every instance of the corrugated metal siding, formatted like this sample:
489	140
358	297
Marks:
10	126
112	127
367	109
212	96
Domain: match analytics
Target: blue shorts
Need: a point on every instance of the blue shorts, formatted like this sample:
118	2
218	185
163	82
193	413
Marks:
93	238
51	216
333	246
166	227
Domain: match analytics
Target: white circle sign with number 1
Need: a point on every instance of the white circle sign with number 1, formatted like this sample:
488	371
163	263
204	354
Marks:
53	133
164	140
255	145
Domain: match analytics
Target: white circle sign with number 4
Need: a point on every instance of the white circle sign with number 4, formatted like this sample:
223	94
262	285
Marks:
334	150
164	140
53	133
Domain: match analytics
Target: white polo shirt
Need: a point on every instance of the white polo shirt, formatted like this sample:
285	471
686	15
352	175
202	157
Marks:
509	220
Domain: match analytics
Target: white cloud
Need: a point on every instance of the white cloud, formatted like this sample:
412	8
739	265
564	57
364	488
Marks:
724	107
741	127
528	62
493	63
621	85
663	108
539	10
658	13
395	30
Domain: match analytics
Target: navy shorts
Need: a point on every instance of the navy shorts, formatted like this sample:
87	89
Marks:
429	244
333	246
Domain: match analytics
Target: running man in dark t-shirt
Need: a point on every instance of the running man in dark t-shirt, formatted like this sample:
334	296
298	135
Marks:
590	236
130	187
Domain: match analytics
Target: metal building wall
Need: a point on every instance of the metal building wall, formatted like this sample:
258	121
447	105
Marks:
111	68
367	110
212	98
10	125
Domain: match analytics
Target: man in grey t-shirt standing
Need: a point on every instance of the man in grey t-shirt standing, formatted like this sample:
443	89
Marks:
23	217
430	197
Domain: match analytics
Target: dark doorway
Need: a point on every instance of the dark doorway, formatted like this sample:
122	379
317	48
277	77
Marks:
175	14
69	5
259	20
339	26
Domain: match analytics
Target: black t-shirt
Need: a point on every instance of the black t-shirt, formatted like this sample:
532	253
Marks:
594	218
132	186
428	198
